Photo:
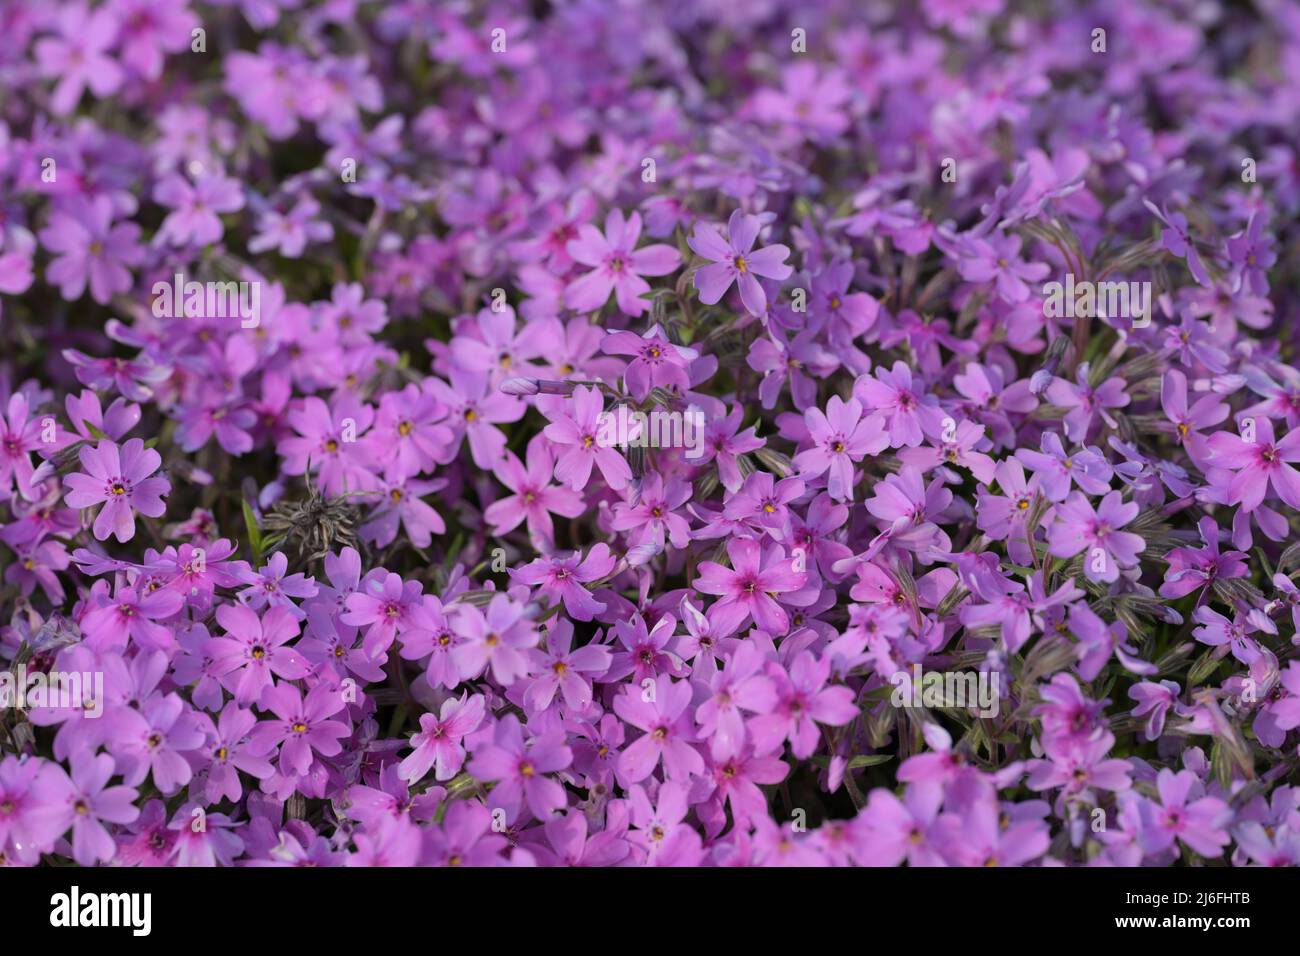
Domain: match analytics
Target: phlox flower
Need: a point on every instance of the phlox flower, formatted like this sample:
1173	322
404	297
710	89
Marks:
438	741
123	480
745	590
734	259
616	265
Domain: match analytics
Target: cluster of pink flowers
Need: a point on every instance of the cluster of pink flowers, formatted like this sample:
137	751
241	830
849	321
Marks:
315	322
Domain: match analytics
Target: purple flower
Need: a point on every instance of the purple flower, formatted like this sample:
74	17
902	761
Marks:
520	769
1080	527
20	435
734	259
803	700
196	209
616	265
34	809
840	438
232	753
563	669
534	498
252	653
289	232
301	728
132	614
154	740
660	707
1056	469
564	578
908	414
330	442
272	586
746	590
1153	701
587	434
78	57
1086	402
438	741
88	248
1257	462
92	802
1184	813
498	638
657	361
385	607
120	480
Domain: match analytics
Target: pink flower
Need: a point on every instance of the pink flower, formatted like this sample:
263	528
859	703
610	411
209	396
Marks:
1078	527
121	481
253	650
564	577
585	432
1257	464
520	769
196	209
617	265
803	700
746	589
840	437
534	498
657	361
561	668
301	728
661	709
733	261
438	742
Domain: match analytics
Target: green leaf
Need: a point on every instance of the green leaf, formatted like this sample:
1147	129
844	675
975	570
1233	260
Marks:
868	760
254	532
855	763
